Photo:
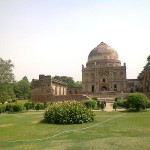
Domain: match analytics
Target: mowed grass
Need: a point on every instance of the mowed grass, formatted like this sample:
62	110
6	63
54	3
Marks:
130	131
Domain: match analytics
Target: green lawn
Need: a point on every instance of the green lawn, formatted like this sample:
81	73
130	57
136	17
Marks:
131	131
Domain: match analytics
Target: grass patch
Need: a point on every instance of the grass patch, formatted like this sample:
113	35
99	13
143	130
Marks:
130	131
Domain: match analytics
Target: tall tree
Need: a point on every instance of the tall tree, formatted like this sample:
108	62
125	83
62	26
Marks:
6	78
148	62
6	74
22	88
69	80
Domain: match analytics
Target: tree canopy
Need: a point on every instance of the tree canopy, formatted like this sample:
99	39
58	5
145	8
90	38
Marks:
22	88
148	62
6	74
69	80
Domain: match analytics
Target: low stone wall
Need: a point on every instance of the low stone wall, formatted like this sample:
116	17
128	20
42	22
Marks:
52	98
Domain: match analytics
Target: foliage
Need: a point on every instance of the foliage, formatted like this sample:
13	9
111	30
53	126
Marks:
90	103
68	113
69	80
122	103
2	108
115	106
94	98
6	92
98	104
148	105
148	62
78	84
14	107
118	98
17	107
39	106
102	105
6	75
22	88
137	101
28	105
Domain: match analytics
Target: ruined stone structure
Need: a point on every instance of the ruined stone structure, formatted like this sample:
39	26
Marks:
45	87
103	71
144	80
132	85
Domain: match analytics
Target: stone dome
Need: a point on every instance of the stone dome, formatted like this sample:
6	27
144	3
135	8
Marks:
103	52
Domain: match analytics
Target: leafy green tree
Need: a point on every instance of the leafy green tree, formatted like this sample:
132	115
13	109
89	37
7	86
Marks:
78	84
69	80
148	62
6	79
6	74
22	88
6	92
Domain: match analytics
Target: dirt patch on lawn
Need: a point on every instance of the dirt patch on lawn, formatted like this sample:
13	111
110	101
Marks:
5	125
35	122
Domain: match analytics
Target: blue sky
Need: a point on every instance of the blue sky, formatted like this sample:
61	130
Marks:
54	37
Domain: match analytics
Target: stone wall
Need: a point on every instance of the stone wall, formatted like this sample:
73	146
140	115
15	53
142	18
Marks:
52	98
45	87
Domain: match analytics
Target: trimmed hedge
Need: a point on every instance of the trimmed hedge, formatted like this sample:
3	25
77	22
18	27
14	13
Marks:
68	112
137	101
90	103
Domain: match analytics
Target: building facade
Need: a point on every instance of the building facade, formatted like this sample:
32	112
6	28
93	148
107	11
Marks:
144	80
45	87
103	71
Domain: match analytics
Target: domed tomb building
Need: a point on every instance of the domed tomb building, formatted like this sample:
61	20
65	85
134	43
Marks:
103	71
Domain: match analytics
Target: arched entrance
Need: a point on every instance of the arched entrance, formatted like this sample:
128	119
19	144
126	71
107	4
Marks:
103	88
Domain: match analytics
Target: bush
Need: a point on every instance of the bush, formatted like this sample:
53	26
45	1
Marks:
137	101
9	107
115	106
90	103
121	103
102	106
14	107
94	98
68	113
2	109
118	98
17	107
148	105
39	106
28	105
14	100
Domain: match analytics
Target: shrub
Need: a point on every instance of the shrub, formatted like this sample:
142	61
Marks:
137	101
90	103
2	109
115	106
14	107
148	105
98	104
28	105
121	103
68	113
9	107
118	98
17	107
14	100
102	105
39	106
94	98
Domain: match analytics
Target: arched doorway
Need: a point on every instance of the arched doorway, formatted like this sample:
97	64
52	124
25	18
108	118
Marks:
103	88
